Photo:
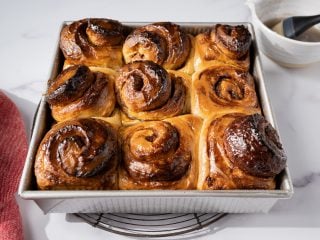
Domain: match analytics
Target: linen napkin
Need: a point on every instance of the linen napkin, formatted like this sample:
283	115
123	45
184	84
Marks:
13	150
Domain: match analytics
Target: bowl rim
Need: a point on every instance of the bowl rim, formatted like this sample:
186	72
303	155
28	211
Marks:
289	40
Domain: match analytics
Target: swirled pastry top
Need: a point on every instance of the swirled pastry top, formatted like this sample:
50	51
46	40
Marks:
151	153
147	91
240	152
160	154
234	41
223	89
224	43
78	154
164	43
80	92
93	42
252	144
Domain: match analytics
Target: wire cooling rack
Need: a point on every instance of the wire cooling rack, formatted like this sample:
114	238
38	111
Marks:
150	225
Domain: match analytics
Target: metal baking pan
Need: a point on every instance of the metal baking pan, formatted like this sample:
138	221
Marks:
153	201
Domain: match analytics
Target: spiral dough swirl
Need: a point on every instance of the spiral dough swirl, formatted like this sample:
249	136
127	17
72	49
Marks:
163	43
242	152
79	92
77	153
154	151
253	145
93	42
223	89
224	44
147	91
234	41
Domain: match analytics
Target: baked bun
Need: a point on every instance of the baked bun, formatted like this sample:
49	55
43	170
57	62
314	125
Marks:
146	91
164	43
223	44
93	42
78	154
223	89
160	154
239	151
79	92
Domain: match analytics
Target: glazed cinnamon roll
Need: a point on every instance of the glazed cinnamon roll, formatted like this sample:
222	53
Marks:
146	91
223	89
79	154
163	43
239	151
93	42
80	92
223	44
160	154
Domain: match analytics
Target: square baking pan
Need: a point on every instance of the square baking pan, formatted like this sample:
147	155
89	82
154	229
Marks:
152	201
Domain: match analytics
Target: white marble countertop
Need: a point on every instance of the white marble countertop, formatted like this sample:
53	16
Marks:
29	31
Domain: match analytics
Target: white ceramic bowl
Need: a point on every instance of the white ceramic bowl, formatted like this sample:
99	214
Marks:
285	51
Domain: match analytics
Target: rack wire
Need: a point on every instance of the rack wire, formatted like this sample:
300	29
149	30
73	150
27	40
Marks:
150	225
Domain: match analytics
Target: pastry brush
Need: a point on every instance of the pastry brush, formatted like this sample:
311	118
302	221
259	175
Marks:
293	26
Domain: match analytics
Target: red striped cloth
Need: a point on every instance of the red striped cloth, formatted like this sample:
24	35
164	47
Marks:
13	150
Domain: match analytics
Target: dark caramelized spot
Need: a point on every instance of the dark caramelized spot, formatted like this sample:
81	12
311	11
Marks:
209	180
104	32
71	84
151	138
154	42
253	145
235	38
137	82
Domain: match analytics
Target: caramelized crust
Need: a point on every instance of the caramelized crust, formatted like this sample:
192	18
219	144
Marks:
78	154
93	42
223	89
146	91
225	44
239	152
163	43
160	154
80	92
253	145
